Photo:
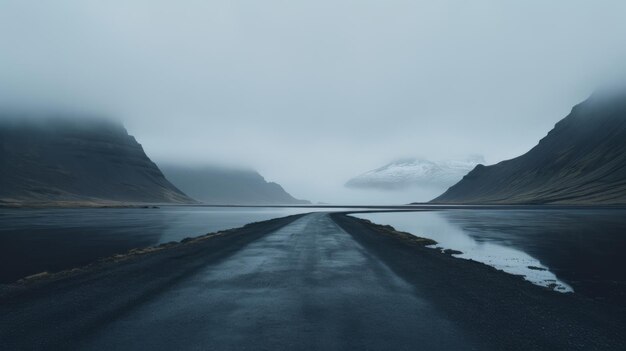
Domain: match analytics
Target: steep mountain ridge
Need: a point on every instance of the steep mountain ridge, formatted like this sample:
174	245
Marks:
581	161
65	160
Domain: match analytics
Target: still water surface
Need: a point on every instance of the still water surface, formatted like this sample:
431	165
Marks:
581	250
576	249
38	240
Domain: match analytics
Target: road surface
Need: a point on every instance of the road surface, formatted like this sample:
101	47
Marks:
301	283
308	285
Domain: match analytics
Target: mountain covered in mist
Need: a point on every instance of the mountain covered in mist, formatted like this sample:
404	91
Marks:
56	161
581	161
226	186
409	173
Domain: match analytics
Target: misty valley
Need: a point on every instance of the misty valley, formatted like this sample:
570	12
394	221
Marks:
327	175
85	212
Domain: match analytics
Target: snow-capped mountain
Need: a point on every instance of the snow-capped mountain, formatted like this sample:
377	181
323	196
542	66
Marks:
408	173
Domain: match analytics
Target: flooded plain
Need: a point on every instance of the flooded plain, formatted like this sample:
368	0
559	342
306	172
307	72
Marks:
38	240
577	250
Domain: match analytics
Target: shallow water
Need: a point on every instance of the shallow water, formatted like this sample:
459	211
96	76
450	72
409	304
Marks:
580	250
37	240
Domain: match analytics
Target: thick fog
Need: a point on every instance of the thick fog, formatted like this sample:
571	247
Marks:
313	93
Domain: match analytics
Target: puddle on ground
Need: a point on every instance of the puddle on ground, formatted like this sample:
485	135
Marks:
434	226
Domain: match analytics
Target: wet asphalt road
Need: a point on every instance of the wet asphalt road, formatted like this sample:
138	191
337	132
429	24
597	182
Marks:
306	286
305	282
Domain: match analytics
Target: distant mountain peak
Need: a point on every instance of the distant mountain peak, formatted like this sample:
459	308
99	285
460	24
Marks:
228	186
414	172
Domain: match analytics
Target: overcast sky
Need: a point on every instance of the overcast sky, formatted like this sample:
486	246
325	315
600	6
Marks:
311	93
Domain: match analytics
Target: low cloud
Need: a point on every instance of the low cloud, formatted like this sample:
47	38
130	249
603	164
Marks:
312	94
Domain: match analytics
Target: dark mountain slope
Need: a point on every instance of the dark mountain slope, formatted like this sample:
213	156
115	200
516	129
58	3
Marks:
581	161
54	161
223	186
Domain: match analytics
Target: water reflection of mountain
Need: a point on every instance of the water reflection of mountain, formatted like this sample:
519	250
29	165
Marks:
33	241
582	247
43	240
